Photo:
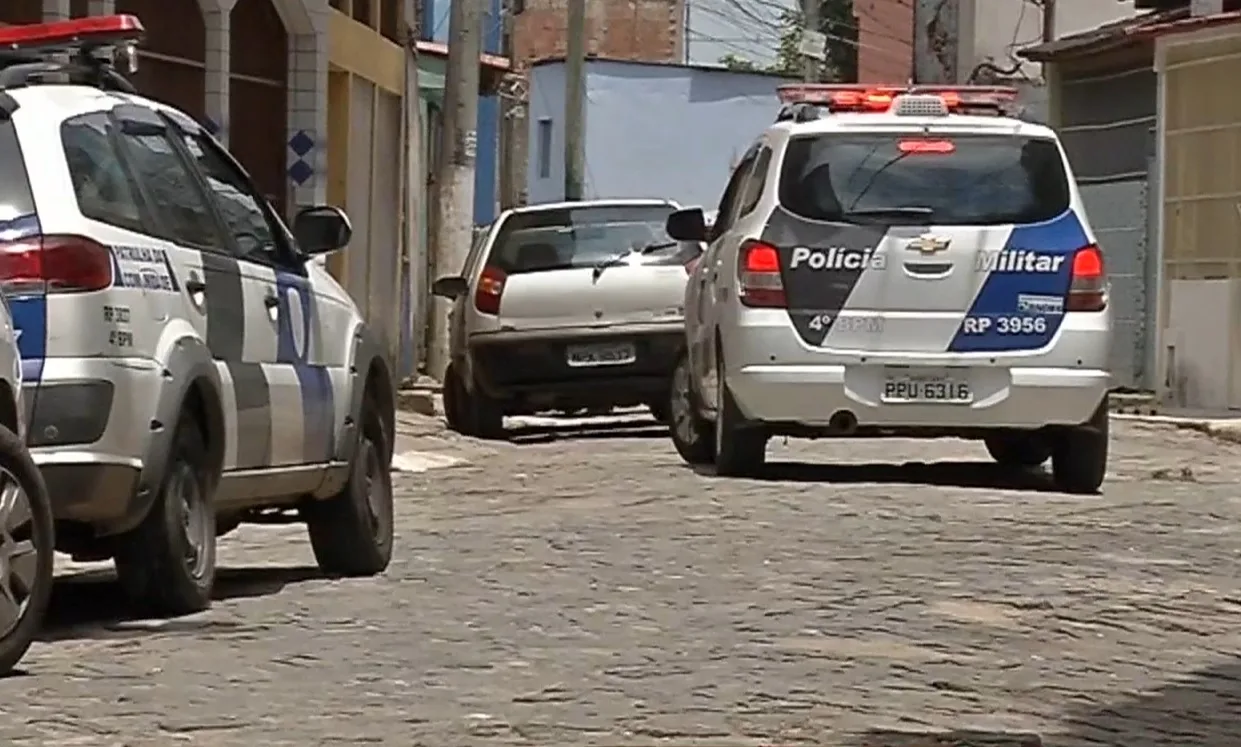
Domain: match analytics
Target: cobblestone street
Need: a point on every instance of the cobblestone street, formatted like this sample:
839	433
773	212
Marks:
581	586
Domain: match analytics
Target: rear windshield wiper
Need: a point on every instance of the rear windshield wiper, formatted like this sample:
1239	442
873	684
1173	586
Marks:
611	261
910	211
657	246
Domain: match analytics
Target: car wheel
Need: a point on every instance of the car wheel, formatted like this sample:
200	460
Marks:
1079	456
484	414
453	400
740	447
27	547
691	434
1018	450
167	563
351	532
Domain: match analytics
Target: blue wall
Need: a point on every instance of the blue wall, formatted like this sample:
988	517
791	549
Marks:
652	130
486	174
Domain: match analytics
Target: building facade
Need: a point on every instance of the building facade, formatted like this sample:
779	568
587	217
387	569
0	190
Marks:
1102	100
652	130
947	42
314	98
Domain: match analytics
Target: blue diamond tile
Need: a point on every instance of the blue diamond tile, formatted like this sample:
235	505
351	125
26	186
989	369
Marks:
300	171
301	143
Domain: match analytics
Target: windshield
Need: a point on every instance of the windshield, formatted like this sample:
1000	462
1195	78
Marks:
570	238
932	179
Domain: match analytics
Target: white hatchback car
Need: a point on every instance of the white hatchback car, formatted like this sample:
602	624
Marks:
893	262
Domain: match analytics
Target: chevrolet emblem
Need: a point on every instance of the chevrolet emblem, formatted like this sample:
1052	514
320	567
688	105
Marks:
928	244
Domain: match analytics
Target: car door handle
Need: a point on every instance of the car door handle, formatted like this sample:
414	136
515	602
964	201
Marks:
194	285
271	301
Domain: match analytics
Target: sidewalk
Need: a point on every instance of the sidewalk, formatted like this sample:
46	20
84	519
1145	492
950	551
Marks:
1225	426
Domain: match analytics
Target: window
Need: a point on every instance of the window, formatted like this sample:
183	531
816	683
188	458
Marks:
545	148
247	216
752	190
173	191
102	187
16	201
570	238
956	180
727	211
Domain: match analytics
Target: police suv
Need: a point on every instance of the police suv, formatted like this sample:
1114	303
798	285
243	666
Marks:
187	366
893	261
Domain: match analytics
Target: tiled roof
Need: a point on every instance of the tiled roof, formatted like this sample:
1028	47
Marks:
1108	36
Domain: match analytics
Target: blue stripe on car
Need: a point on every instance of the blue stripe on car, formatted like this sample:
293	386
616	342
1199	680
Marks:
997	309
318	411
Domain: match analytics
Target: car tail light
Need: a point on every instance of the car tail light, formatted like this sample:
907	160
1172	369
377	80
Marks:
758	273
926	146
1088	284
490	288
55	264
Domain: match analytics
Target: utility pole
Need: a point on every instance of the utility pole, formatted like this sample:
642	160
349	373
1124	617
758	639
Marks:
810	22
1049	20
455	170
575	102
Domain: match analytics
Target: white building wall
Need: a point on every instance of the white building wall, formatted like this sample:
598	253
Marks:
993	30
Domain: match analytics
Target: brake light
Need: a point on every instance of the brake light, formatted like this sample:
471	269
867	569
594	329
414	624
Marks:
926	146
1088	285
490	288
64	264
870	98
758	274
79	32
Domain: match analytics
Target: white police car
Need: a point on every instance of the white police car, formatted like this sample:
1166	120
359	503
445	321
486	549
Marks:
27	543
898	262
186	367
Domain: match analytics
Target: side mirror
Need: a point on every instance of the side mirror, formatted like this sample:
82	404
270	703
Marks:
687	225
321	229
450	287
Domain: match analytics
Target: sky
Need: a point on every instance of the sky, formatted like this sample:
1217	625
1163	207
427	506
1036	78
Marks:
746	28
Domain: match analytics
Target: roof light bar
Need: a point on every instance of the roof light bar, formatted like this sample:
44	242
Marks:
875	99
79	33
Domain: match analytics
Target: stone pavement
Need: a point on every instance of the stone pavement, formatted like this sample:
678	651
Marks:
579	586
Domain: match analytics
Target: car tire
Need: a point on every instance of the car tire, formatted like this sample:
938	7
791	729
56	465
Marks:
27	549
691	434
1018	450
740	447
484	414
659	410
167	563
1079	456
351	533
454	401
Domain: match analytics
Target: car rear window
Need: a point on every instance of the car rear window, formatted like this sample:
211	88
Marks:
569	238
16	199
954	179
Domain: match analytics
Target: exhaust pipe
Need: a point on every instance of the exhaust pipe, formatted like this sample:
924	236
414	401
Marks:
843	422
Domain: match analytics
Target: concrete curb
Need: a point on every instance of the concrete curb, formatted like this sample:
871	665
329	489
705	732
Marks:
1221	430
421	401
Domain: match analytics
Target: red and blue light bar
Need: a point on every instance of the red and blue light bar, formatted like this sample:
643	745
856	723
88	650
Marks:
862	97
98	31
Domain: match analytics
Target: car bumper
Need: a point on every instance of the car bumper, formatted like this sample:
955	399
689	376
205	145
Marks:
1018	397
534	364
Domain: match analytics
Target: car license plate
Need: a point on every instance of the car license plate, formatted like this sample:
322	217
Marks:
903	385
609	354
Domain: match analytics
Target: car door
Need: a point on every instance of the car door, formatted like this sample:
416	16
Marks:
221	306
290	319
713	280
